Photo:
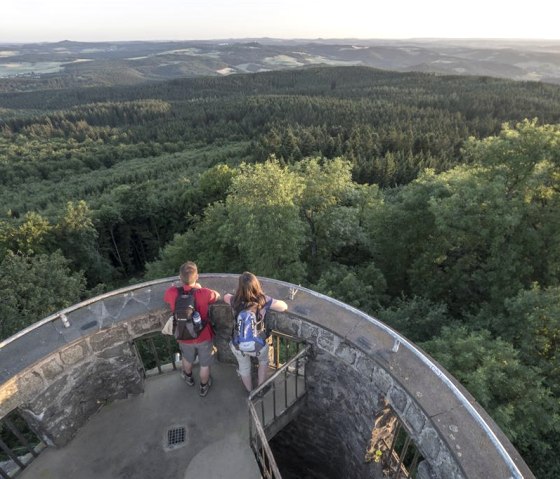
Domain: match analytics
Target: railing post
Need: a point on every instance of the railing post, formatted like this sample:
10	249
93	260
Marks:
259	441
20	436
12	454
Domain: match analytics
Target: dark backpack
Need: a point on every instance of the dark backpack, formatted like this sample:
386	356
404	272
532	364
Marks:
185	306
249	331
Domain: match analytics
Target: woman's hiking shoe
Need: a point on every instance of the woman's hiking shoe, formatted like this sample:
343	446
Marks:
188	379
205	387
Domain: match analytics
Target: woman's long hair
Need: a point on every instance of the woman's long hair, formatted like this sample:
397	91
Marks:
249	293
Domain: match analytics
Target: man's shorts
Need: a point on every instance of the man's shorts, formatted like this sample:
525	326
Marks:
205	352
244	359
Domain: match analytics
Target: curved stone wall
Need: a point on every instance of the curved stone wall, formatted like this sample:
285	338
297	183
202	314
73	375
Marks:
58	376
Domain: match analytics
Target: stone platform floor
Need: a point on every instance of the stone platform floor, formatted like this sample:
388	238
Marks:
129	438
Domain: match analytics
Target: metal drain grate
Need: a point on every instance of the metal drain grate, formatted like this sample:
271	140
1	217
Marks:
175	436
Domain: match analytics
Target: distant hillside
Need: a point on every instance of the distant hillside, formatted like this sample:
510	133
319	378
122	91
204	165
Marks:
71	64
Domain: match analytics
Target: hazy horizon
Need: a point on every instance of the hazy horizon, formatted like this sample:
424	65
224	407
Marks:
308	39
32	21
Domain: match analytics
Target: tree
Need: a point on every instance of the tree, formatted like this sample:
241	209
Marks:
324	187
76	236
477	233
207	243
532	324
417	318
362	287
473	255
263	220
527	158
32	287
512	392
30	236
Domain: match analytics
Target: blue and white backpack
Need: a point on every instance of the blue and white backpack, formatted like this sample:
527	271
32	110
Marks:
249	331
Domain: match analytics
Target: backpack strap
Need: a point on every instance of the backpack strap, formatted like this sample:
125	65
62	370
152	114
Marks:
267	329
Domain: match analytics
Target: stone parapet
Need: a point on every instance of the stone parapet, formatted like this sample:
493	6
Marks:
58	376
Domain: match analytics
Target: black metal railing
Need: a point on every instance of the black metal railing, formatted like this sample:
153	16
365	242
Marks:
392	446
270	405
156	350
404	456
19	445
284	348
261	448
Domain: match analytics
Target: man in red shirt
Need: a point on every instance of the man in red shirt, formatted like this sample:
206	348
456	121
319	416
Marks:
203	345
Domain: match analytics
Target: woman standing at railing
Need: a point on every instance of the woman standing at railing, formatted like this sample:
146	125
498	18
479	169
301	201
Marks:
250	305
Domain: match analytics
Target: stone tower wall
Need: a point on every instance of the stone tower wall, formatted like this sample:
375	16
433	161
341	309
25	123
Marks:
65	367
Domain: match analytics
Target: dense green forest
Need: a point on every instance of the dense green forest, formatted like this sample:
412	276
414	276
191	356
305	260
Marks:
429	202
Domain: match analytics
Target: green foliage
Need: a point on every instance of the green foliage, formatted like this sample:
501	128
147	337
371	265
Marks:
284	222
532	324
475	234
512	392
212	186
77	238
28	236
32	287
208	242
264	222
389	192
361	287
417	318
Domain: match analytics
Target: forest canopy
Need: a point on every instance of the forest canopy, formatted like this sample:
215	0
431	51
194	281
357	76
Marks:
428	202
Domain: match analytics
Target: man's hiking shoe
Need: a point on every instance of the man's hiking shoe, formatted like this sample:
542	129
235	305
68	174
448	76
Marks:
188	379
205	387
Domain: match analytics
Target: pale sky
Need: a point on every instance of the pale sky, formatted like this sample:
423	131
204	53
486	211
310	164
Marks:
80	20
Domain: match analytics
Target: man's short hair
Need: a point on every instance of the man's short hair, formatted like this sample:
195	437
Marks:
188	272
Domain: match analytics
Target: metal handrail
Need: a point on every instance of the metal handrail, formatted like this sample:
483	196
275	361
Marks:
274	472
297	357
266	455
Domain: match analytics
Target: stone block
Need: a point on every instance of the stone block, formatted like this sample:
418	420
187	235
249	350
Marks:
327	341
51	369
117	351
10	396
382	380
46	403
107	338
222	319
446	466
415	418
424	471
68	402
346	353
145	324
74	354
309	332
30	384
365	366
133	388
224	352
398	398
287	324
429	444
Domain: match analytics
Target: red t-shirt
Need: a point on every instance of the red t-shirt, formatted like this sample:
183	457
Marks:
203	298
